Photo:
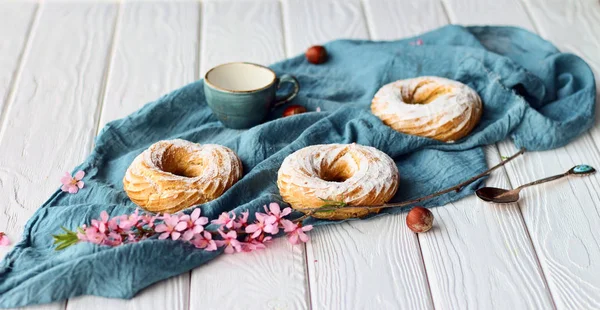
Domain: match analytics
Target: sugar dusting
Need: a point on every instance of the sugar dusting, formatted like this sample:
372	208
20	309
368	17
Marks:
373	175
215	169
454	107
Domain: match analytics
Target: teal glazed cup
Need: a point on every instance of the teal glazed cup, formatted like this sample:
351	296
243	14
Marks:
242	94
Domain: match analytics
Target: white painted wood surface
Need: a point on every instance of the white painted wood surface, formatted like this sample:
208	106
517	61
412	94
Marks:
276	277
67	68
155	50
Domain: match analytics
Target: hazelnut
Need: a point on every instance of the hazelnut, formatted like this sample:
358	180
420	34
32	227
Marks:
316	54
419	219
293	110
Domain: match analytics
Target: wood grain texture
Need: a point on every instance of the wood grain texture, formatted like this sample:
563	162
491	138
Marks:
314	22
50	125
155	51
393	19
16	20
497	12
240	31
170	294
478	256
274	278
563	216
373	264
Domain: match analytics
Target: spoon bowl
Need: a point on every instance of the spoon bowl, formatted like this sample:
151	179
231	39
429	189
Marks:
499	195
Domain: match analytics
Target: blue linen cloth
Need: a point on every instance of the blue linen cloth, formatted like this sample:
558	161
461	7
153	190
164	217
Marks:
532	93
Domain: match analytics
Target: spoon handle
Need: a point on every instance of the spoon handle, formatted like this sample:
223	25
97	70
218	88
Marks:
544	180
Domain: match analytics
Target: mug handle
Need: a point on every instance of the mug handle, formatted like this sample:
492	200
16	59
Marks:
286	78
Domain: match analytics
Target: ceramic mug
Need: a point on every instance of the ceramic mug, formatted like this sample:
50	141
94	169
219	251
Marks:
242	94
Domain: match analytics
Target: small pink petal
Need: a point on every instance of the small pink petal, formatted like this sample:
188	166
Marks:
79	175
275	208
229	250
307	228
212	246
293	239
195	214
80	184
73	189
163	236
66	179
175	235
303	237
187	235
181	226
318	109
251	228
286	211
4	241
65	188
160	228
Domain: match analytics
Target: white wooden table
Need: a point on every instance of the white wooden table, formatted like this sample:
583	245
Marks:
68	68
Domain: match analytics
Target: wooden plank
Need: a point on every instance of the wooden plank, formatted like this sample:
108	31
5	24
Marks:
313	22
373	264
393	19
246	31
51	122
156	48
563	217
156	52
497	12
273	278
479	256
16	20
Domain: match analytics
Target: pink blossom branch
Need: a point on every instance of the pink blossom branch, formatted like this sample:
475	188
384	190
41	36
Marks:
233	233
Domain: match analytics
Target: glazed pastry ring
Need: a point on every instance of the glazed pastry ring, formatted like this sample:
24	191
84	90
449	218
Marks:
173	175
354	174
428	106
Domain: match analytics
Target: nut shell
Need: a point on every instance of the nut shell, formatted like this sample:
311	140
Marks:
293	110
419	219
316	54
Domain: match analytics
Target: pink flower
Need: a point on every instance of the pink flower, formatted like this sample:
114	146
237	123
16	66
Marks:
114	239
318	109
225	220
296	231
195	224
102	224
230	242
204	241
127	222
72	184
275	217
418	42
147	219
255	244
259	225
4	241
242	221
93	235
171	227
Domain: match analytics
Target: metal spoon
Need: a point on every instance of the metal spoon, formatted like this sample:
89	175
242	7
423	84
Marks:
499	195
